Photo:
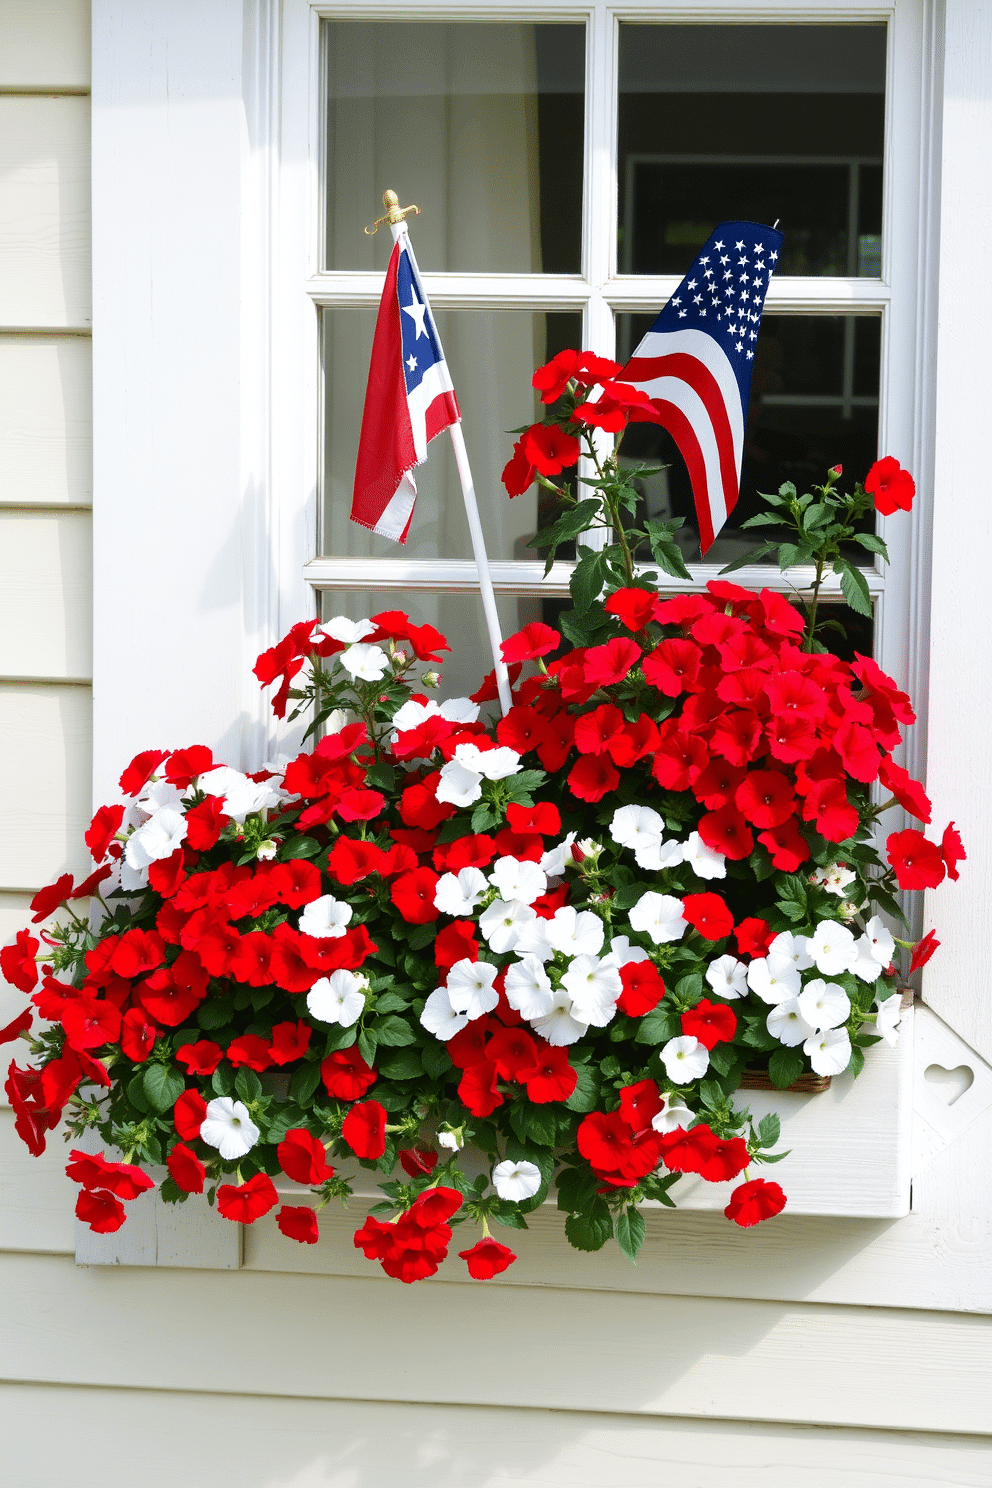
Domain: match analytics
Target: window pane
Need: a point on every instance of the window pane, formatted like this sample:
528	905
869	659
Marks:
757	122
480	125
492	355
814	403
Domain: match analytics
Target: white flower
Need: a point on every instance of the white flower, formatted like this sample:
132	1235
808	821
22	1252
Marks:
159	793
631	825
589	847
824	1004
654	854
440	1018
502	923
773	983
554	860
728	977
516	1180
829	1052
594	987
458	710
413	713
622	953
364	663
575	932
228	1127
558	1025
660	916
459	785
834	879
789	947
883	945
532	940
516	880
325	918
450	1139
685	1059
470	988
787	1024
157	839
704	862
494	764
528	989
239	795
889	1014
459	893
340	628
832	948
339	998
865	967
266	851
672	1114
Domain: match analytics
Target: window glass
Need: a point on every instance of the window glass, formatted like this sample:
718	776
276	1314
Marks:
759	122
491	355
481	125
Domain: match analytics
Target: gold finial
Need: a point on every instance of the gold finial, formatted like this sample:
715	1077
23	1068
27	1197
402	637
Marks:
394	213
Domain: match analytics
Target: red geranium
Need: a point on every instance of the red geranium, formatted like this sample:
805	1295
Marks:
487	1258
755	1201
246	1202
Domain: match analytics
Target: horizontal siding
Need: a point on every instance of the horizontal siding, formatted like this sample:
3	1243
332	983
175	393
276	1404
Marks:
46	594
36	1211
44	212
45	775
46	44
46	420
525	1347
330	1444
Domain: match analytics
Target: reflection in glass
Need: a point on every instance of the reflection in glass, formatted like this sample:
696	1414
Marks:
480	125
814	403
757	122
492	355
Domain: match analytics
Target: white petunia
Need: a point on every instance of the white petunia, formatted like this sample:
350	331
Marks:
575	932
685	1059
325	918
773	984
502	923
789	947
440	1018
459	893
458	710
865	967
516	1180
787	1024
458	786
340	628
516	880
654	854
160	793
450	1139
631	825
339	998
672	1114
413	713
832	947
470	988
824	1004
728	977
364	663
528	989
594	987
829	1052
704	862
660	916
239	795
157	839
887	1021
834	879
228	1127
558	1025
883	945
554	861
532	940
498	764
622	953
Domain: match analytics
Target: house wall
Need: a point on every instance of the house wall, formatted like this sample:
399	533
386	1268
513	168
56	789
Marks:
835	1351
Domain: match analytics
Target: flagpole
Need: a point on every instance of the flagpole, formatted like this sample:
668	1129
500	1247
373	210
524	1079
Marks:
397	225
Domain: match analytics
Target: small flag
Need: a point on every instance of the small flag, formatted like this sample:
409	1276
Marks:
695	362
409	400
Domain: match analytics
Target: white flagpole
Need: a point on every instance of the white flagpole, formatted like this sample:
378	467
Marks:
478	541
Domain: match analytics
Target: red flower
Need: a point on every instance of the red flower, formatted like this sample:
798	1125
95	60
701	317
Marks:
138	1034
594	731
477	1089
246	1202
50	898
101	831
632	607
605	665
551	1076
166	875
907	791
952	851
186	1169
827	804
469	1046
543	818
89	1023
679	759
188	1114
100	1210
708	914
723	1159
639	1104
711	1023
716	785
16	1026
755	1201
892	487
93	1171
918	863
349	860
512	1050
18	964
140	770
364	1130
518	473
346	1075
137	951
289	1041
418	1161
787	845
673	666
359	805
298	1222
413	895
487	1258
303	1158
549	449
249	1050
593	777
924	951
643	988
184	765
766	798
536	639
296	882
685	1151
584	367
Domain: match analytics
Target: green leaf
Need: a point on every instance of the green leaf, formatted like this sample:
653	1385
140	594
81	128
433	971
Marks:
525	782
288	1119
872	543
587	580
300	847
248	1085
222	1079
367	1045
763	519
785	1066
392	1031
405	1064
390	1002
590	1230
483	817
511	1218
630	1231
769	1130
586	1092
304	1082
857	1061
171	1192
817	516
215	1012
437	1060
421	936
381	777
136	1094
754	555
854	587
162	1086
653	1028
576	1189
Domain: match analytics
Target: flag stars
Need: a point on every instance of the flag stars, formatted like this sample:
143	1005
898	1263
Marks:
411	362
416	312
692	284
750	355
682	315
705	260
743	261
738	346
697	299
739	245
773	256
676	299
759	247
718	246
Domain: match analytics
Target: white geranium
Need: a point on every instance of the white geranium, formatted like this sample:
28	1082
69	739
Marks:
786	1023
528	989
832	947
660	916
575	932
594	987
685	1059
470	988
728	977
622	953
458	710
458	786
459	893
889	1015
228	1127
704	862
829	1052
339	998
440	1018
516	880
672	1114
516	1180
364	663
558	1025
325	918
340	628
239	795
772	982
554	861
824	1004
502	923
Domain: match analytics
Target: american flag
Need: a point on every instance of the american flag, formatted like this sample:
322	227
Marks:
695	362
409	399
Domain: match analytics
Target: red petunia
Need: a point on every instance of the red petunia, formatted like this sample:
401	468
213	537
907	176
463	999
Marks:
136	952
184	765
246	1202
102	830
140	770
892	487
350	860
543	818
303	1158
726	831
827	805
708	914
346	1075
469	1046
298	1222
711	1023
594	731
477	1088
188	1114
952	850
167	874
716	786
16	1026
359	805
673	666
487	1258
787	846
100	1210
918	863
755	1201
766	798
680	757
924	950
632	607
50	898
512	1050
549	449
606	665
94	1171
592	777
90	1023
249	1050
907	791
186	1169
289	1041
551	1077
364	1130
138	1034
536	639
18	964
639	1104
418	1162
205	822
413	895
643	988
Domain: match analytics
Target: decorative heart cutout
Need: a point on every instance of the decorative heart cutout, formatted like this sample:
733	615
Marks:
949	1084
